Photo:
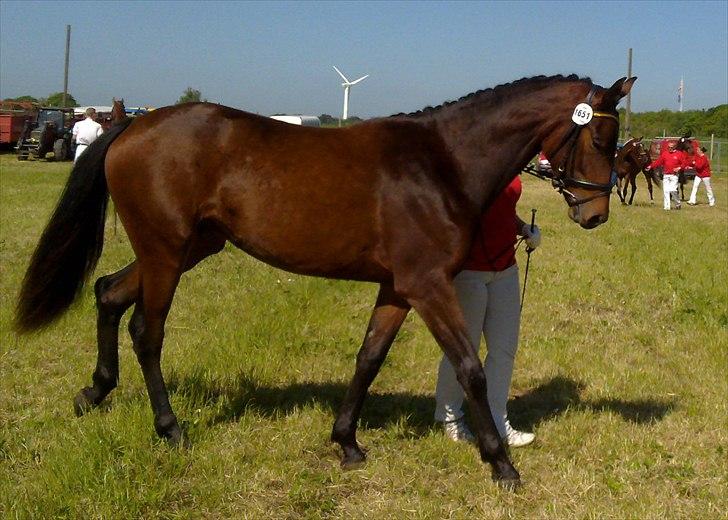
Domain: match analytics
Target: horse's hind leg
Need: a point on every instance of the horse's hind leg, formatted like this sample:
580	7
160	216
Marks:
159	279
115	293
619	190
649	185
440	310
387	317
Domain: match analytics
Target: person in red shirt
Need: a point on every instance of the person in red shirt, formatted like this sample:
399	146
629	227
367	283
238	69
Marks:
702	175
487	289
672	162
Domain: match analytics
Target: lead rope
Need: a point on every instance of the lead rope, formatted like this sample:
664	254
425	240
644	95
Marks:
529	250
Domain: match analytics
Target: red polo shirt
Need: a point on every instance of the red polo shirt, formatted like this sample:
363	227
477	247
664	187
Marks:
492	249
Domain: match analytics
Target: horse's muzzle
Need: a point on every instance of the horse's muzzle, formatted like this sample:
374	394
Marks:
588	222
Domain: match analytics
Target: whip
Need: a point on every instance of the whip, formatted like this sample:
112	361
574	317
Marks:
529	250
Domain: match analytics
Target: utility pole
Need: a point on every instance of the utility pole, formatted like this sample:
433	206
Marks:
65	75
628	111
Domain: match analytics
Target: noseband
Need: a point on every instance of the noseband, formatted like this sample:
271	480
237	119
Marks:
562	181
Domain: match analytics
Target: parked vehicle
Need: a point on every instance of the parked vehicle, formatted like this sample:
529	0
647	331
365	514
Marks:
50	132
13	115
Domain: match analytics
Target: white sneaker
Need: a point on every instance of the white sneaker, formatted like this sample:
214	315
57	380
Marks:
516	439
458	431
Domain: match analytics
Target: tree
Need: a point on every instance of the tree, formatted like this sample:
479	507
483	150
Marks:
30	99
56	100
327	120
190	95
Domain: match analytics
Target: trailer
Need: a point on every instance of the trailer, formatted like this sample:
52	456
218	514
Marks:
13	117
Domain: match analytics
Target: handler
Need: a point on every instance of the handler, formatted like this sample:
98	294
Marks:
85	132
672	162
702	174
487	290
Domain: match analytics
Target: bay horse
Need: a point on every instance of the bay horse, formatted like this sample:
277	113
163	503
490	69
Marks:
118	111
394	201
632	159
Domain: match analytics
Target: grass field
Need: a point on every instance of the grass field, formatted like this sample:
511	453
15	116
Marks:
622	374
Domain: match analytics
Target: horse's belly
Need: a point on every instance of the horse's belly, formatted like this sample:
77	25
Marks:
325	236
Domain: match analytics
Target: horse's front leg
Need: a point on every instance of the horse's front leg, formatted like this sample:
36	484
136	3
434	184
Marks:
440	310
387	317
633	184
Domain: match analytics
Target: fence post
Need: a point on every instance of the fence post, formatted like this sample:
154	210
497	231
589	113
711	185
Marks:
712	140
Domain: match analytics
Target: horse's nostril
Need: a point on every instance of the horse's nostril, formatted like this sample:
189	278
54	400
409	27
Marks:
596	220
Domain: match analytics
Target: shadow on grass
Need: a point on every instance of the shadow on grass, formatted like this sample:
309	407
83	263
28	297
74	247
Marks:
561	394
243	395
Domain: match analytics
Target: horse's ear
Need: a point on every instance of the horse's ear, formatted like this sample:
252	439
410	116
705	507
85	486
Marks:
620	89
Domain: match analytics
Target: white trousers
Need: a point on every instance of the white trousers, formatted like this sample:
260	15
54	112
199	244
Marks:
708	188
491	307
669	191
80	148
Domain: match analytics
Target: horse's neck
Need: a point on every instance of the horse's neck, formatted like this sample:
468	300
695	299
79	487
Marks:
493	142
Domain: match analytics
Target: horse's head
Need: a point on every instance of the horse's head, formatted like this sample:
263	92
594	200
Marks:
640	155
582	152
118	110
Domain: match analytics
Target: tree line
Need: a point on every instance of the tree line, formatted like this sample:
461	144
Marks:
697	123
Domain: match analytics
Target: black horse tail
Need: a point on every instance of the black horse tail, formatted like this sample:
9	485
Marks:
72	241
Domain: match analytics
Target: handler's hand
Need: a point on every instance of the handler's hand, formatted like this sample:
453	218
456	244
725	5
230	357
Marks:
533	238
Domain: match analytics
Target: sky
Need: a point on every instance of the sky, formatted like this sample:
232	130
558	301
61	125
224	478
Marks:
277	57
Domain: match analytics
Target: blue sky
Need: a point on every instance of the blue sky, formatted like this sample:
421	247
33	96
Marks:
270	57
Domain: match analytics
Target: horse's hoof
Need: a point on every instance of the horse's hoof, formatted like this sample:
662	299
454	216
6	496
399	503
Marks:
506	477
509	484
82	403
168	428
353	459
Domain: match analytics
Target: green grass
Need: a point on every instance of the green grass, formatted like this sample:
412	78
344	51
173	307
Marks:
621	373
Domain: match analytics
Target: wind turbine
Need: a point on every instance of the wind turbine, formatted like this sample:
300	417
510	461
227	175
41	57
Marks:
347	85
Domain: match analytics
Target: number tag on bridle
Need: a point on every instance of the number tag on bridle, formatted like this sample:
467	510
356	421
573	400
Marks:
583	113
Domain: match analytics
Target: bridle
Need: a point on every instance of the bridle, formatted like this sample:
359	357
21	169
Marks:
562	181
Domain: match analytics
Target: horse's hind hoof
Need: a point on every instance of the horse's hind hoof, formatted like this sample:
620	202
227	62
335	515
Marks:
82	403
353	459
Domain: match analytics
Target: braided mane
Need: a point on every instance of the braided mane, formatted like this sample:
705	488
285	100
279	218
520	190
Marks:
500	92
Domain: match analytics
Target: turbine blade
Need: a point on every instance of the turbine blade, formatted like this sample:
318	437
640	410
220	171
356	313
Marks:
358	80
340	74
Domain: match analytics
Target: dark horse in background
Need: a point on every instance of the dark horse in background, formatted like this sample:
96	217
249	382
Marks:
395	201
632	159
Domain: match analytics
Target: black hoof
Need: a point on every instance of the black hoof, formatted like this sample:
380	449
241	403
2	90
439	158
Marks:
82	403
353	458
506	477
168	429
510	484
